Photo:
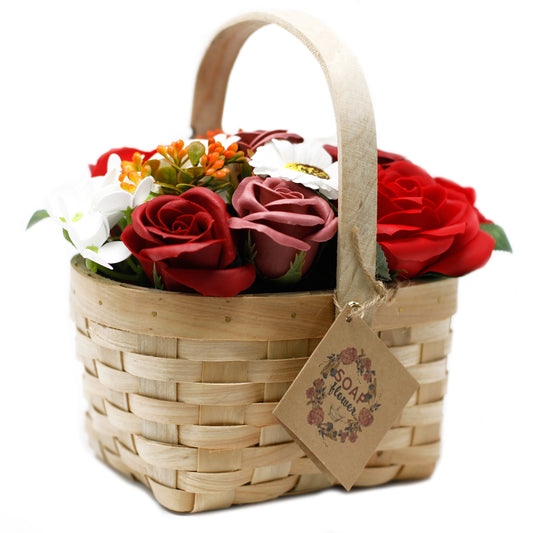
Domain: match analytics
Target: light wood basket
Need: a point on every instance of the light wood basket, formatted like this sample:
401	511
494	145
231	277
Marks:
181	387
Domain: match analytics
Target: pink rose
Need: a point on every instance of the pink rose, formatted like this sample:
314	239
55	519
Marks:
348	355
353	436
318	383
315	416
366	417
310	392
285	218
367	363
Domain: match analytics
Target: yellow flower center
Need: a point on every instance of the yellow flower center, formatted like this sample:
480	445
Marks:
308	169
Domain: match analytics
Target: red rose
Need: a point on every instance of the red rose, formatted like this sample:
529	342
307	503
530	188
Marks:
426	224
348	355
284	218
125	154
366	417
315	416
188	239
252	140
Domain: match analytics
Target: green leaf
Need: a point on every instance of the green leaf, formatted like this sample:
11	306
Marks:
126	219
91	265
195	151
498	234
158	281
166	175
39	215
249	251
294	274
67	237
382	267
154	165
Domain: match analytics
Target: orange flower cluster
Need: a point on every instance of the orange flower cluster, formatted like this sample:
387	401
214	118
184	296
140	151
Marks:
214	162
133	172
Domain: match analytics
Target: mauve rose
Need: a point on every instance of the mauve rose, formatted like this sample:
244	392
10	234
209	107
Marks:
353	436
252	140
310	392
315	416
366	417
428	224
284	218
125	154
188	239
348	355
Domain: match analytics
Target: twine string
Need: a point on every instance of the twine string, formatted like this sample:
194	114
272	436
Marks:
383	294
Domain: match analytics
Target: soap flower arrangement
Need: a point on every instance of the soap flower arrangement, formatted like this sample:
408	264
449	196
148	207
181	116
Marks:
257	211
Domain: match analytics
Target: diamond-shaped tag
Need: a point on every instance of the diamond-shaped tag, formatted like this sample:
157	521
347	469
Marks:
346	397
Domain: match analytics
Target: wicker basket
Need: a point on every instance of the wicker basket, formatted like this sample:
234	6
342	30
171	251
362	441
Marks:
186	408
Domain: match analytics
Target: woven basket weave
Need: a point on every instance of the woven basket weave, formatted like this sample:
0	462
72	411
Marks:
181	387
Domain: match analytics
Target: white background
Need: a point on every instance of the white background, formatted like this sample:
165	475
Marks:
452	87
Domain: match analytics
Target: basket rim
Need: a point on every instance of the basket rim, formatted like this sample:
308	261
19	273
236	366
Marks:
78	264
249	317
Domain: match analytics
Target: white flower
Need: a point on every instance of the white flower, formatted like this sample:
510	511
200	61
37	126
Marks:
110	199
307	163
88	229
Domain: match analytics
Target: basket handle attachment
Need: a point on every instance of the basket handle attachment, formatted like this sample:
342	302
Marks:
356	134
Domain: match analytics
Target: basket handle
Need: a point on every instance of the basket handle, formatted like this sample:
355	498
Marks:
356	135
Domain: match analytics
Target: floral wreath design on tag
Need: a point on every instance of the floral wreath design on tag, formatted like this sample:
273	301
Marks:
334	424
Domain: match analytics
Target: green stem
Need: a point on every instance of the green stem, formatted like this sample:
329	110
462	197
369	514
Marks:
118	276
134	266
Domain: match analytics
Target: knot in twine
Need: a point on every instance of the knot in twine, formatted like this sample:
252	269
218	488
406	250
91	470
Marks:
383	294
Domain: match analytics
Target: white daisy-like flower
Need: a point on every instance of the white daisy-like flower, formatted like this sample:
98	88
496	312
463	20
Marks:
307	163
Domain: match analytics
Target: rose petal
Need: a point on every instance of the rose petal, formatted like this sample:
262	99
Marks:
468	258
280	238
222	283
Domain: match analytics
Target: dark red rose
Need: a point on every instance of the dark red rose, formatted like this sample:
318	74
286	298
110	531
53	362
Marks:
348	355
428	224
315	416
188	239
252	140
284	218
125	154
366	417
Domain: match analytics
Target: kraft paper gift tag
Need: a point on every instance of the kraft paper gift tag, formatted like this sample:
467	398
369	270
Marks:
346	397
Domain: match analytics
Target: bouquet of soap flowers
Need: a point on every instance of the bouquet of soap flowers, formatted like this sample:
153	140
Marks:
256	211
